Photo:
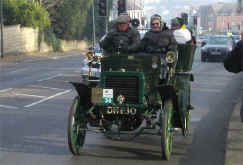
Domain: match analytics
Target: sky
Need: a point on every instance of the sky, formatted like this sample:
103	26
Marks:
166	7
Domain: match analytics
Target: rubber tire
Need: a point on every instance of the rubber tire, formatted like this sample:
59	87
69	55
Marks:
76	139
166	129
186	128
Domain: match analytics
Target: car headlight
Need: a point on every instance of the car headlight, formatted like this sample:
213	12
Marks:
203	49
170	57
90	56
99	57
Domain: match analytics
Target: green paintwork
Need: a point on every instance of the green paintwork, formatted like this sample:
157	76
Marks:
140	76
130	62
185	57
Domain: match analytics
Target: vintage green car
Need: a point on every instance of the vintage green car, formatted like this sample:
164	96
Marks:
136	94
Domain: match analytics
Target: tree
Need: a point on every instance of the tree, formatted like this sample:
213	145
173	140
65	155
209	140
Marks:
69	18
100	25
25	13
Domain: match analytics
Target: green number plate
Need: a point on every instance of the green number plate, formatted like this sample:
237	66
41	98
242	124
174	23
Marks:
107	96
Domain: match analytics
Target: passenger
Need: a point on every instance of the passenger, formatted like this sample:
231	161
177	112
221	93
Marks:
157	40
182	36
122	38
181	33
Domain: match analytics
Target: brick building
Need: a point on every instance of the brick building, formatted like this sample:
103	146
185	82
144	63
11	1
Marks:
221	17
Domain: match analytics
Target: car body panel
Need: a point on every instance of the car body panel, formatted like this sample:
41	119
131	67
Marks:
217	48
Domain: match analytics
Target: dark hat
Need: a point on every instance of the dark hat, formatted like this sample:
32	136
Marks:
123	19
177	22
135	22
158	17
155	16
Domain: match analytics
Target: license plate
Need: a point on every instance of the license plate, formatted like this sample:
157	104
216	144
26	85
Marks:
121	110
215	53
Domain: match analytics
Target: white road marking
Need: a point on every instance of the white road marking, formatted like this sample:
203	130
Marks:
44	87
8	107
210	83
19	70
206	90
70	75
195	119
5	90
49	78
73	68
47	98
22	94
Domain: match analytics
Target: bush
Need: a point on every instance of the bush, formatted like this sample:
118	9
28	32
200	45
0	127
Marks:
29	14
50	38
10	12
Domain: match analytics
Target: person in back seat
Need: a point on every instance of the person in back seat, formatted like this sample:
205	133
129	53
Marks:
181	33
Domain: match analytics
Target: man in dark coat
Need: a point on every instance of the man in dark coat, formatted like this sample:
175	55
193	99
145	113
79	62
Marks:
234	63
157	40
122	38
238	50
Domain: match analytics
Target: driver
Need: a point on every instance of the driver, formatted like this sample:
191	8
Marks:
157	40
122	38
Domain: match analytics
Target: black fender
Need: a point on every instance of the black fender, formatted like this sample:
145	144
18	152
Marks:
168	92
84	92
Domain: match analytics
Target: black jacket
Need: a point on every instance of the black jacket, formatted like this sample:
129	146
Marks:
125	41
234	62
157	41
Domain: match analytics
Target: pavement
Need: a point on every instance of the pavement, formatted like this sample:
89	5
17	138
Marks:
36	56
234	148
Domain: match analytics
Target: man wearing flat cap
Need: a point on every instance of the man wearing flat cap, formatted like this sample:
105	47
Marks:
122	38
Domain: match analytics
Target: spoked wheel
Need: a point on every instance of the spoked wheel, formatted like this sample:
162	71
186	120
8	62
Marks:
76	127
166	129
186	126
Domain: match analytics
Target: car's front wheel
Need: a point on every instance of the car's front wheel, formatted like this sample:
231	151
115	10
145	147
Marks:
76	127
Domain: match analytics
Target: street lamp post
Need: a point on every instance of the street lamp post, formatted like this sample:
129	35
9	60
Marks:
93	18
1	8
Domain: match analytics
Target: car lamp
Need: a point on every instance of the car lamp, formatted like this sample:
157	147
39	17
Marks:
170	57
89	55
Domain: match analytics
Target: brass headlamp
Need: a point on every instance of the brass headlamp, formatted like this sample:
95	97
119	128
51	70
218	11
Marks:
170	57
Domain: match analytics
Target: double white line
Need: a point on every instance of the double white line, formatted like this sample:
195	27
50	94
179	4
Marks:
47	98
